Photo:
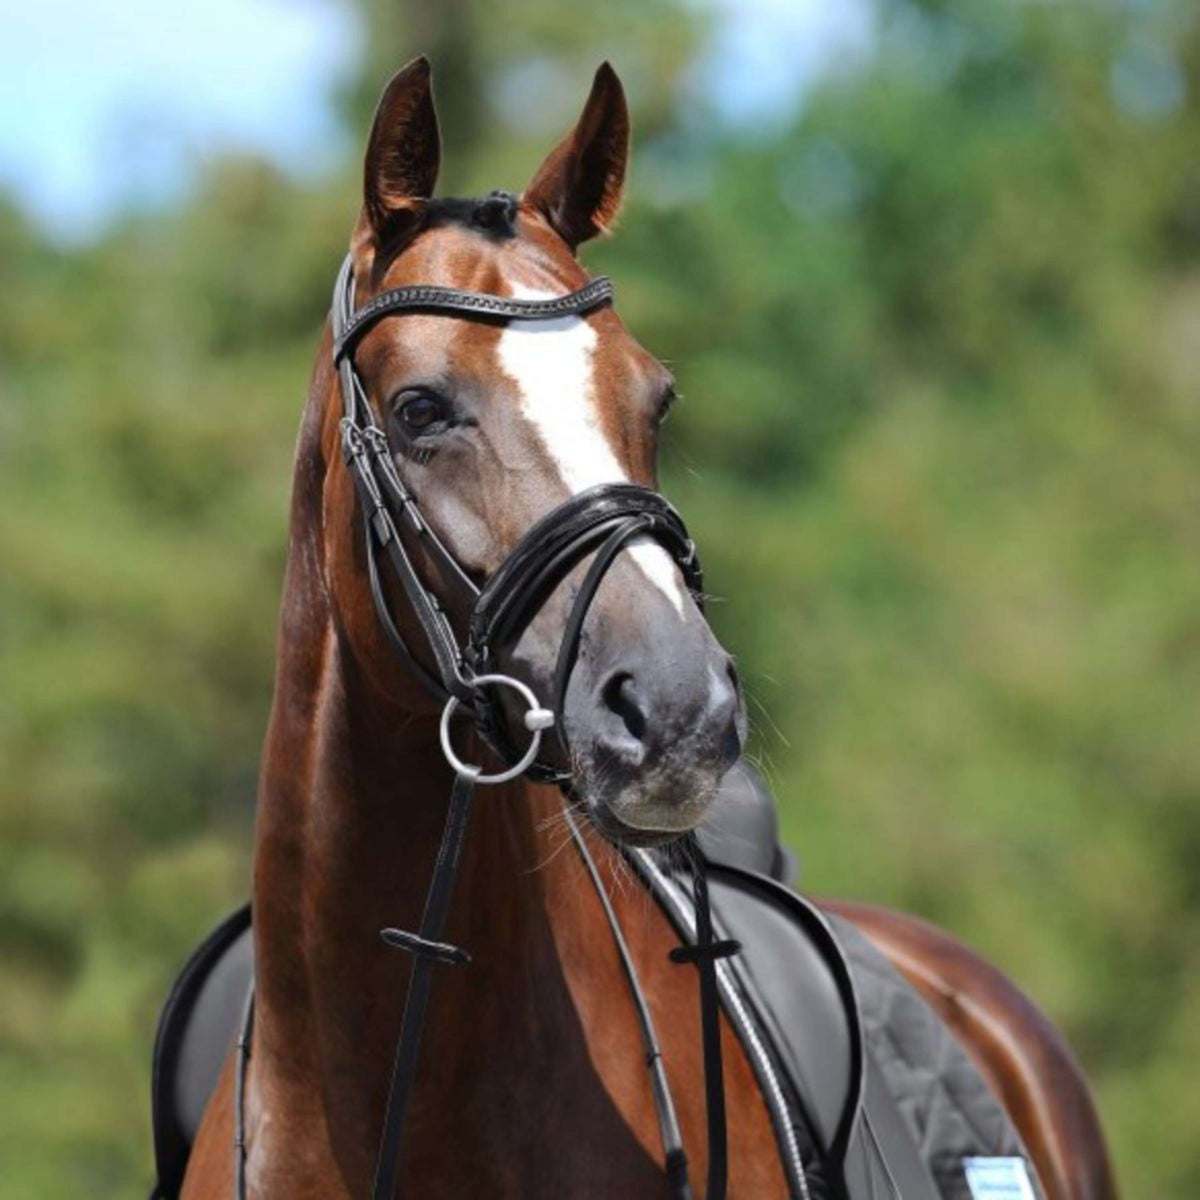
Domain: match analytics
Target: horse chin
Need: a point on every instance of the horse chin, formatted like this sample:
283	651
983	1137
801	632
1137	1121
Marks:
620	834
644	816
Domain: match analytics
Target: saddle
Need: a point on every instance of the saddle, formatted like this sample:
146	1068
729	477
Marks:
869	1093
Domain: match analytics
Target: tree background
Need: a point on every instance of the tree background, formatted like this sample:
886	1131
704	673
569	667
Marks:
938	335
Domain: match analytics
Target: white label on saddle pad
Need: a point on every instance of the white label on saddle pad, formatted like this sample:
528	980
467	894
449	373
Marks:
998	1179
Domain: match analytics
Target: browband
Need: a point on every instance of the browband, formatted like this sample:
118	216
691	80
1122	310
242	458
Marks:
428	298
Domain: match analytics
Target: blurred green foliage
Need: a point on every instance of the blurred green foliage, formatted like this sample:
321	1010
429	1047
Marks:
939	341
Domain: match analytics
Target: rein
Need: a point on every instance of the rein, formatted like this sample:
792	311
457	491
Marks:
602	520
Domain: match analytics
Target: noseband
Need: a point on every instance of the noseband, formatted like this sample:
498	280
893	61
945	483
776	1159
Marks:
603	519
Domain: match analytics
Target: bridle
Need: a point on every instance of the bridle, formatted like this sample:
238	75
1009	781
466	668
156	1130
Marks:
602	521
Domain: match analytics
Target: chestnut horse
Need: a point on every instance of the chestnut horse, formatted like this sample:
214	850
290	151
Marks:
531	1081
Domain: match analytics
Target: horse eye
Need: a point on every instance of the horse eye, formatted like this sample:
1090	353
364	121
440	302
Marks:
420	412
665	404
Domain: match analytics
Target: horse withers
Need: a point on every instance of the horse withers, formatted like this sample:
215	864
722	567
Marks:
473	496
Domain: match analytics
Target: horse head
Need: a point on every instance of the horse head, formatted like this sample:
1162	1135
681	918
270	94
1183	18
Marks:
493	425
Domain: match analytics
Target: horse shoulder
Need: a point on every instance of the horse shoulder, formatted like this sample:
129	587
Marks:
1019	1052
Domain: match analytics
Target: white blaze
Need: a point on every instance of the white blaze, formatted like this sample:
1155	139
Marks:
552	364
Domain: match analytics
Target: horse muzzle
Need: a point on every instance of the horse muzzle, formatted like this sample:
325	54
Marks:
654	715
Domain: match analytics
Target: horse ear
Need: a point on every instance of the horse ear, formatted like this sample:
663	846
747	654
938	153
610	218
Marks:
578	187
403	153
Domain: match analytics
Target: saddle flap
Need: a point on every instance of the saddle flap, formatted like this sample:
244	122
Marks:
793	982
195	1031
799	999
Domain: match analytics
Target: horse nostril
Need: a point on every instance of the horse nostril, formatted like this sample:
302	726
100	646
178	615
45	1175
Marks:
620	697
731	746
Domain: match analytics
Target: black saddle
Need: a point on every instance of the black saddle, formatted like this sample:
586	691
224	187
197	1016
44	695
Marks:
868	1091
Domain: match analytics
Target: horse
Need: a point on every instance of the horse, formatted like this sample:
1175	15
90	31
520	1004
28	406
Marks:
531	1079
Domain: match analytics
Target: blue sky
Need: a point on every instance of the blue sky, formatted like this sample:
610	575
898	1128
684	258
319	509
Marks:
104	102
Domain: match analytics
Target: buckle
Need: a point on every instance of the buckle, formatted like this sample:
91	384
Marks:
352	441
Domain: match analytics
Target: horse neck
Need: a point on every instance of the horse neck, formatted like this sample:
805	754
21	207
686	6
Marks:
352	799
351	812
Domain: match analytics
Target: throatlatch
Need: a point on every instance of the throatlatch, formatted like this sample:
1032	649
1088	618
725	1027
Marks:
602	521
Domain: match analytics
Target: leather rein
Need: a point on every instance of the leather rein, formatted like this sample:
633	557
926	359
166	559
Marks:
602	521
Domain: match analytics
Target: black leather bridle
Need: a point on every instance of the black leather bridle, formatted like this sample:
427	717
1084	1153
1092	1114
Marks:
602	521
